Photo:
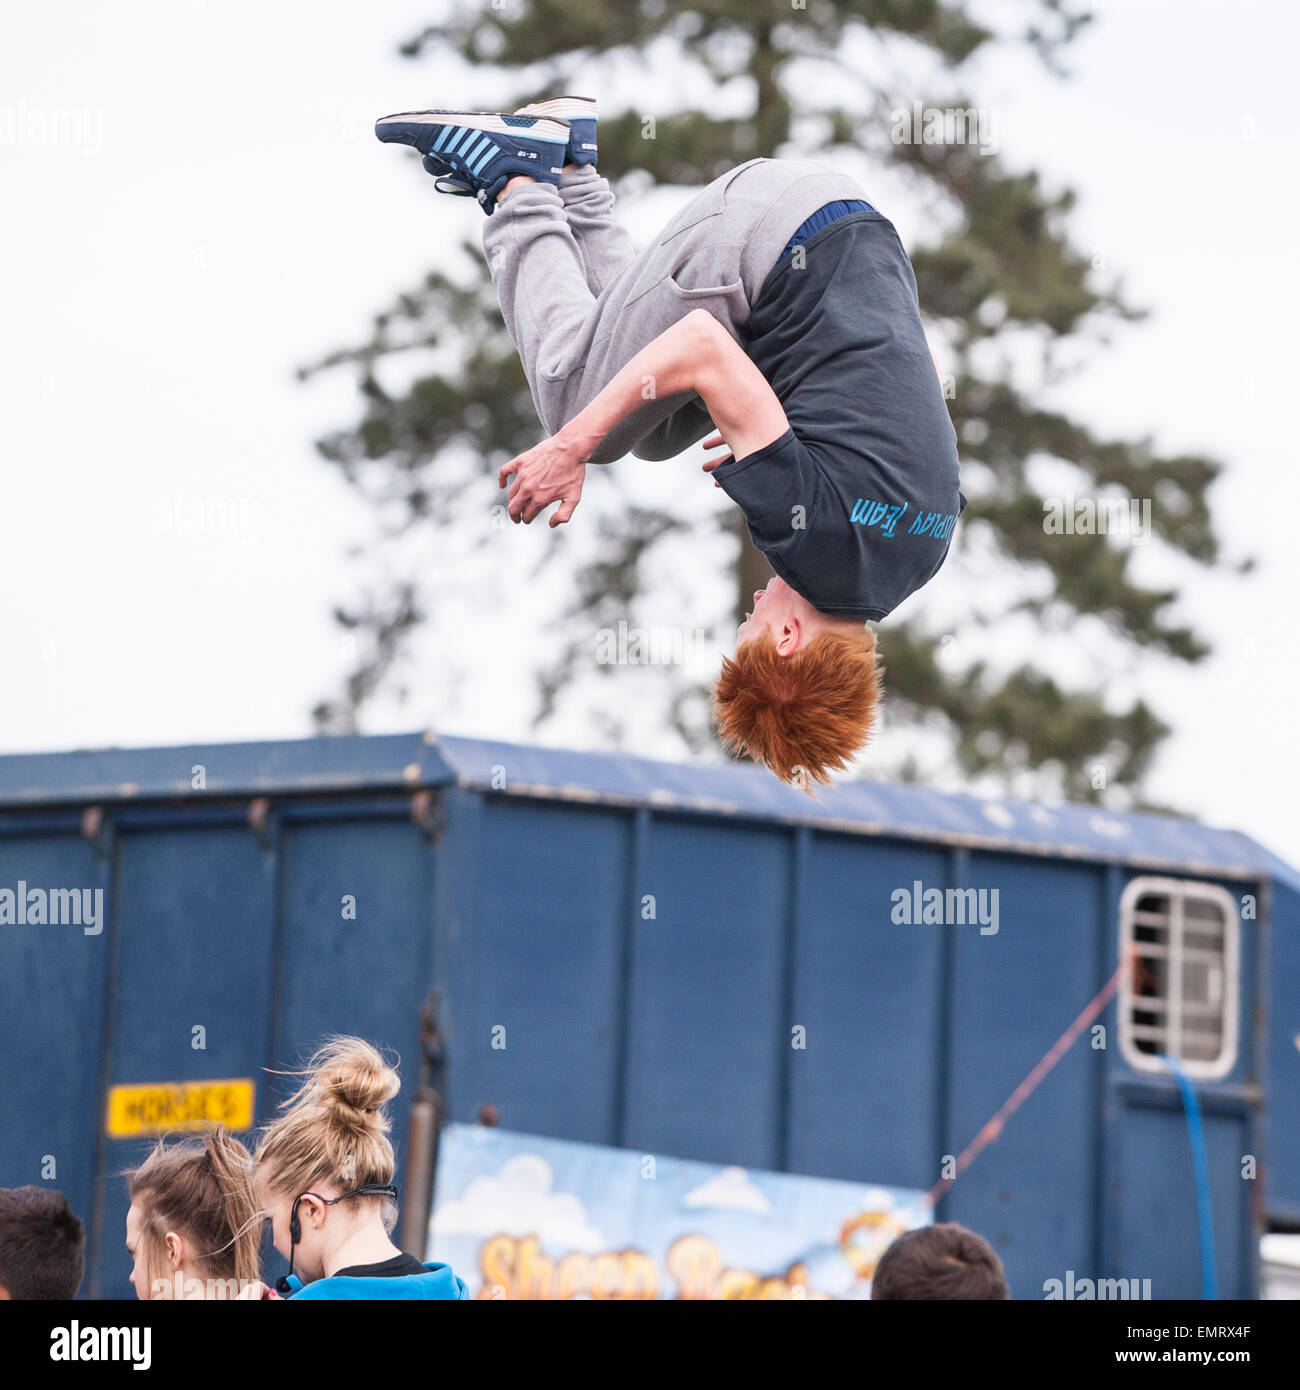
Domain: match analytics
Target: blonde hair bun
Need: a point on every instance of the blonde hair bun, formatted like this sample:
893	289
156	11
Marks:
354	1082
334	1128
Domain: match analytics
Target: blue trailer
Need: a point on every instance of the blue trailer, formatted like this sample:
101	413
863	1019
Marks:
685	960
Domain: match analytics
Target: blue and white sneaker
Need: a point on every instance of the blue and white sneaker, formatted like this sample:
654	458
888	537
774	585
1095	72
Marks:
580	114
480	151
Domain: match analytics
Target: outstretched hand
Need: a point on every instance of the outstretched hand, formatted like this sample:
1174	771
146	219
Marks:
552	471
710	464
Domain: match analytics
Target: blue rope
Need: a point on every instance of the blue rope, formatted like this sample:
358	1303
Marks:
1201	1172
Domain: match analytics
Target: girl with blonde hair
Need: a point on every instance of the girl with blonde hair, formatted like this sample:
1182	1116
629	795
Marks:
323	1176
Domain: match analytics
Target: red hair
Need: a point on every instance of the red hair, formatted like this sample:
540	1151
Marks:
802	716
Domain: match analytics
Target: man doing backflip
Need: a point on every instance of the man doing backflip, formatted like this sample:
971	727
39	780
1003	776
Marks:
778	312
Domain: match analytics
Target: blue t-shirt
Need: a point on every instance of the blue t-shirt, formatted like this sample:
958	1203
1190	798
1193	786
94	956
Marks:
854	506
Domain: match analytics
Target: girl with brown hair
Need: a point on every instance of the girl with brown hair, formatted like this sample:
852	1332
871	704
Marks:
193	1228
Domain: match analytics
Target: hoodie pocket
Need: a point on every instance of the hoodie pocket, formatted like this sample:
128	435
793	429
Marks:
725	302
709	278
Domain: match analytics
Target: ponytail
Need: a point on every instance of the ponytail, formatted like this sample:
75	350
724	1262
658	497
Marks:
201	1189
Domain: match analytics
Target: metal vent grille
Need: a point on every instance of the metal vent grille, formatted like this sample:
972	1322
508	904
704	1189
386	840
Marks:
1182	995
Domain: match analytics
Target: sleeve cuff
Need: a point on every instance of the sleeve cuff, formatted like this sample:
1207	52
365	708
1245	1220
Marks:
734	466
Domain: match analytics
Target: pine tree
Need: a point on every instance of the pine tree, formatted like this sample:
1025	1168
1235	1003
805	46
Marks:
998	280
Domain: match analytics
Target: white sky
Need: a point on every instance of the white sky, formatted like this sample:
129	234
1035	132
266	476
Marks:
227	215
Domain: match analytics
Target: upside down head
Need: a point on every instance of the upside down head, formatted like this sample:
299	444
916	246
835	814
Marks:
801	692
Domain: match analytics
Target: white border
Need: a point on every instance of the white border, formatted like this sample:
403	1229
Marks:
1184	888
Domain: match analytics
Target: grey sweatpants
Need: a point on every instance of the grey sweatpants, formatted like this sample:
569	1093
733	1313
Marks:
580	302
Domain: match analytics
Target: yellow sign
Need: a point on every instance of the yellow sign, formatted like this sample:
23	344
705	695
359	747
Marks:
516	1268
168	1106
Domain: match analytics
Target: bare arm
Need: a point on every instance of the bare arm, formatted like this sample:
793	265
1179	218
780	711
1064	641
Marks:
694	354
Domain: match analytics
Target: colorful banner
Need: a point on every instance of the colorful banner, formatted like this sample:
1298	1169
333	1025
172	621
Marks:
519	1216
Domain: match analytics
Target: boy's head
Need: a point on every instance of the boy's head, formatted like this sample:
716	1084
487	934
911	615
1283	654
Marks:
940	1263
800	694
42	1245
